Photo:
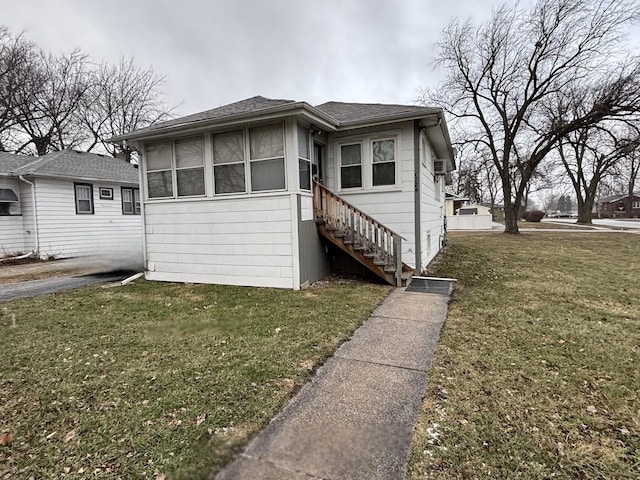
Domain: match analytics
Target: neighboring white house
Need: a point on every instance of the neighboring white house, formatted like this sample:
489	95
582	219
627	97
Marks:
71	204
230	195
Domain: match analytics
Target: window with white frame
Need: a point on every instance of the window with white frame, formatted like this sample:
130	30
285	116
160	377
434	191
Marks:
636	204
130	201
351	165
159	169
179	162
383	162
304	158
84	198
228	162
266	157
189	156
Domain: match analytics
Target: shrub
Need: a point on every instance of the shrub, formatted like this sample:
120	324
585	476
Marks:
533	215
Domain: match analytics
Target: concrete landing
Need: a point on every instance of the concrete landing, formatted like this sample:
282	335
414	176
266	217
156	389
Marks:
355	418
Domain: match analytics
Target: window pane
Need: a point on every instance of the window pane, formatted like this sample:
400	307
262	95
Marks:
384	151
267	141
350	154
158	155
136	200
84	206
160	184
351	176
189	152
384	174
229	178
267	175
190	182
305	174
303	143
228	147
126	195
83	192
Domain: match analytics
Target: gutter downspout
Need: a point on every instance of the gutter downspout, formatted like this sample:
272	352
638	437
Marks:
418	194
35	213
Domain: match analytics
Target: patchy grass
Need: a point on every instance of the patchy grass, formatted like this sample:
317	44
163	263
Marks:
546	224
537	374
157	378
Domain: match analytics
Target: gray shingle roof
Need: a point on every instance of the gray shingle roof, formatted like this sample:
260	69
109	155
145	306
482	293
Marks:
71	164
10	161
615	198
363	112
337	113
254	104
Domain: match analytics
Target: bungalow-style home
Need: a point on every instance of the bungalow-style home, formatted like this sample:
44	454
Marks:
71	204
453	203
266	192
616	206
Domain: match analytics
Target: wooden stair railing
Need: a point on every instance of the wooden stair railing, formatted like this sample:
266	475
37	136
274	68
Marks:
364	238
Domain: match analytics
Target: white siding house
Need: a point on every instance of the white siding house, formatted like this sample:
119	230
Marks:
259	192
72	204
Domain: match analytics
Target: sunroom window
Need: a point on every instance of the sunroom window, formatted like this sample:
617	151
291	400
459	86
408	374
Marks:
267	157
384	162
351	165
228	162
190	166
304	159
159	175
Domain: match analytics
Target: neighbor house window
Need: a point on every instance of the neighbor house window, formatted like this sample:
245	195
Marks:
351	165
159	169
130	201
636	204
228	162
189	154
266	156
384	162
84	198
304	158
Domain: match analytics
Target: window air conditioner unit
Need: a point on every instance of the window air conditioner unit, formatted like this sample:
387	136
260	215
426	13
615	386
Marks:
440	167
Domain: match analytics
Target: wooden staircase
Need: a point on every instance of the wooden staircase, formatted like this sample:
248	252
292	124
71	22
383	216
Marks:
362	237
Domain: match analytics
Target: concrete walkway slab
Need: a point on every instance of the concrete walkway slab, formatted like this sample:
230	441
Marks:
355	419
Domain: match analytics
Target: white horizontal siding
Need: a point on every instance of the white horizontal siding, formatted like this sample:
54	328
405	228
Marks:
235	241
11	236
108	236
432	205
393	208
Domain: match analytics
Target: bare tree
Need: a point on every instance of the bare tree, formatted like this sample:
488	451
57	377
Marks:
501	76
120	98
628	167
588	155
46	101
15	54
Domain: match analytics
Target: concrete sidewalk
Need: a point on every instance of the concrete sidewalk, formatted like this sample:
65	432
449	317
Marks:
355	419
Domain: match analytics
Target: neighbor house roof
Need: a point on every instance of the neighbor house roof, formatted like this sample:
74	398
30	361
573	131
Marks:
10	161
71	164
616	198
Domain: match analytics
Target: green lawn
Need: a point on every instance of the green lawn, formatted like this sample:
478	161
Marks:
537	373
152	378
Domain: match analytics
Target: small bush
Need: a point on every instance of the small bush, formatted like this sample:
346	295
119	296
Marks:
533	215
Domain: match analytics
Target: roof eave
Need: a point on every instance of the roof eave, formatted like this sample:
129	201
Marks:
74	178
324	121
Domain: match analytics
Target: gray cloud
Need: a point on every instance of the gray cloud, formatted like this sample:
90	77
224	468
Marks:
216	52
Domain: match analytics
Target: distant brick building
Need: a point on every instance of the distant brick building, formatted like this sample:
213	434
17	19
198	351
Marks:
616	206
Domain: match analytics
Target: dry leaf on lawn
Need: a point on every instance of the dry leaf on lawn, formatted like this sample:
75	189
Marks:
6	439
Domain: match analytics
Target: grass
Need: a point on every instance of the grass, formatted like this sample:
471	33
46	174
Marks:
151	378
569	224
537	374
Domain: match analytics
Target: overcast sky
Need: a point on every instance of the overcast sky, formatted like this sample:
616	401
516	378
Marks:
220	51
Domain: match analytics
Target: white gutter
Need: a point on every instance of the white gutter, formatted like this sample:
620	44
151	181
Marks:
35	213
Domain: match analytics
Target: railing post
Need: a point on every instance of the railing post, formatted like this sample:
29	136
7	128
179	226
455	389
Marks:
398	251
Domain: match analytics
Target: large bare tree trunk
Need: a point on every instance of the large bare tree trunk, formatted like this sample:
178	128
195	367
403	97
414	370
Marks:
585	210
